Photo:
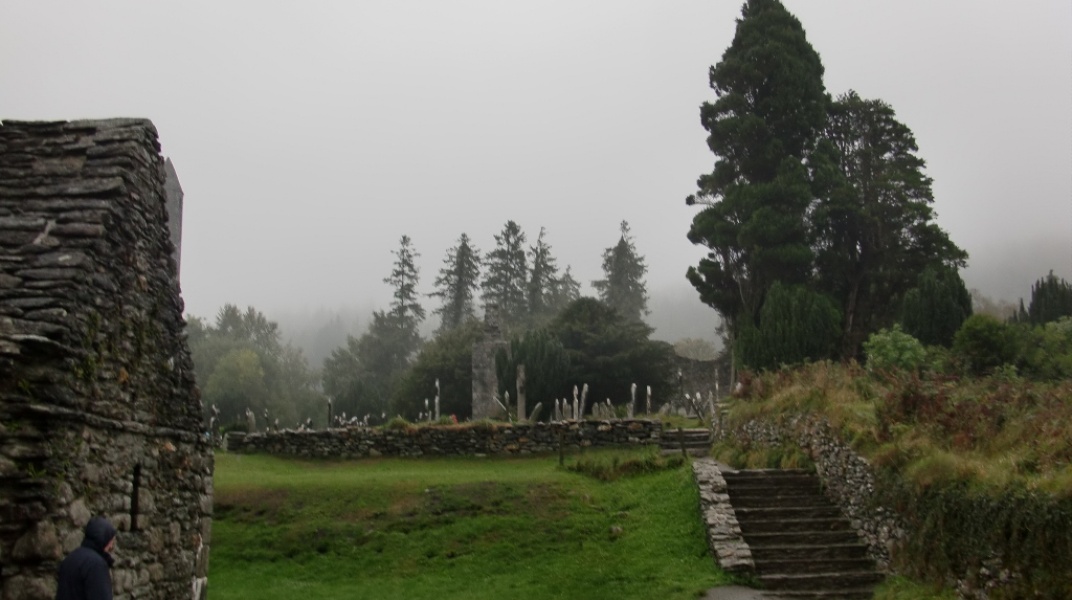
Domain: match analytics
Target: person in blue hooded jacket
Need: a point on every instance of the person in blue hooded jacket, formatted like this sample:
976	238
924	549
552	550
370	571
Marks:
84	573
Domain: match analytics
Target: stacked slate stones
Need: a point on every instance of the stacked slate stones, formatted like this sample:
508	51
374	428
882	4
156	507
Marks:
99	412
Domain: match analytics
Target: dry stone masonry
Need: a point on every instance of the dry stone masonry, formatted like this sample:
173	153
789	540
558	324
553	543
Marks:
848	478
462	440
723	530
99	413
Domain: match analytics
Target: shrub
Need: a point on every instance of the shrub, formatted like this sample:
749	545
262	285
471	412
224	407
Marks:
611	468
893	349
1045	352
984	343
399	424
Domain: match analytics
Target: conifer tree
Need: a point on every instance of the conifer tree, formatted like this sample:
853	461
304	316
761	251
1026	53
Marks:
1051	299
406	313
456	284
506	275
565	290
770	107
623	287
543	277
873	222
934	310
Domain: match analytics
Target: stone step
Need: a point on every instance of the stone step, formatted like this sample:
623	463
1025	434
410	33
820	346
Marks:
764	513
737	492
760	473
763	483
747	477
807	538
778	501
794	525
820	581
813	565
805	551
862	593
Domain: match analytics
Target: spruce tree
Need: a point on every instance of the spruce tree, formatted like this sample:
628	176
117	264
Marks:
506	275
1051	299
406	313
770	108
457	283
565	290
543	277
623	287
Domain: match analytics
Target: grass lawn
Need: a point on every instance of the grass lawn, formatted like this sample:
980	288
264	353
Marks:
454	528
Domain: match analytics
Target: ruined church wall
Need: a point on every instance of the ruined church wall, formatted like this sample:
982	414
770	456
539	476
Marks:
99	413
459	440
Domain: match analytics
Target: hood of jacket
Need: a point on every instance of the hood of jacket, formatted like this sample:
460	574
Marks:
98	533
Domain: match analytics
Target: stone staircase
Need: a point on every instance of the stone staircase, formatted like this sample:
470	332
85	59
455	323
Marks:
801	544
696	442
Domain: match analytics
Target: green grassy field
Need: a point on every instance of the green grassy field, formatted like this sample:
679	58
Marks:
454	528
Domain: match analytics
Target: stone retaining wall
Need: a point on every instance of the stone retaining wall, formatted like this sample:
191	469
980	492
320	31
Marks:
440	440
848	479
724	535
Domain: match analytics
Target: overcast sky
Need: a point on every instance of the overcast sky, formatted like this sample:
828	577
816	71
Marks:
309	136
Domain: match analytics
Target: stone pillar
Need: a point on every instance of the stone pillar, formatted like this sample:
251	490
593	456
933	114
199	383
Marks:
485	381
173	197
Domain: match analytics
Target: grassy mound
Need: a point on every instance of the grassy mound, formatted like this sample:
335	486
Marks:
454	528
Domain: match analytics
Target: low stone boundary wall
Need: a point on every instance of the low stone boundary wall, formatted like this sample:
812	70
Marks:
443	440
723	531
848	479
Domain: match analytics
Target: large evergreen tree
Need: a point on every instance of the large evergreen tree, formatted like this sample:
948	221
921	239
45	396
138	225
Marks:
506	275
456	284
361	377
623	287
406	313
566	289
1051	299
873	223
543	277
934	310
770	108
796	324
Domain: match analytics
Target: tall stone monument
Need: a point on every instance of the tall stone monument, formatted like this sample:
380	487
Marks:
485	381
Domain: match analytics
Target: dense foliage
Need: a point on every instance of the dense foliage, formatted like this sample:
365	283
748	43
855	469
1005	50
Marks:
806	192
242	365
448	360
609	352
1051	299
934	310
546	370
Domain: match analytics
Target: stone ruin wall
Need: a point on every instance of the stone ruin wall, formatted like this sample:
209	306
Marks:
99	413
459	440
